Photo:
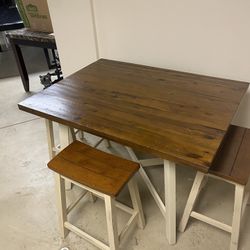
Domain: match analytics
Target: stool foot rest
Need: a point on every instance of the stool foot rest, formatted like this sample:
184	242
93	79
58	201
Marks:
86	236
211	221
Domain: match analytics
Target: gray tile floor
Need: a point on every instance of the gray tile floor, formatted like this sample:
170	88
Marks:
28	218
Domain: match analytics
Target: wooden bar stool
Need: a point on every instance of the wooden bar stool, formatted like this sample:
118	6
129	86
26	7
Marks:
231	164
104	175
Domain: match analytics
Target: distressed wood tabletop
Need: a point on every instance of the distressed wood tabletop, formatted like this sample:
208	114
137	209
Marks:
177	116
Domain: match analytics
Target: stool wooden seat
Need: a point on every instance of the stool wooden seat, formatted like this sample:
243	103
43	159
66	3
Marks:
231	164
93	168
102	174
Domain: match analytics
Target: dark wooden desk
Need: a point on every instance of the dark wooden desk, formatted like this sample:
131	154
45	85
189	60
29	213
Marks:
179	117
28	38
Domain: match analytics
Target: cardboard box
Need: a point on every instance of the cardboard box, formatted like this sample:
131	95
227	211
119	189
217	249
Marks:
35	15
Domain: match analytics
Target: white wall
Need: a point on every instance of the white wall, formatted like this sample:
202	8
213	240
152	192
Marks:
73	30
207	37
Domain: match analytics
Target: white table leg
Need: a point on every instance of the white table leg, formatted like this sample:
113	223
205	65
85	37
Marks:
170	200
64	142
50	138
169	209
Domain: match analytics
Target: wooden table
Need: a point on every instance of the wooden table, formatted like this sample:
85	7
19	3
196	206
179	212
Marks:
29	38
179	117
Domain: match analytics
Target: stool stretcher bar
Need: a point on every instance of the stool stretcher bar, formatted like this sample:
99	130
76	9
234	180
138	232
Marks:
85	236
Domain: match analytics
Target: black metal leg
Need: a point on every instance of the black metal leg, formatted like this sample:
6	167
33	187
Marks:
51	65
21	65
46	53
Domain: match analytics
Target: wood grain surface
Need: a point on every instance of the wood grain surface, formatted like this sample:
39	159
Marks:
177	116
232	161
93	168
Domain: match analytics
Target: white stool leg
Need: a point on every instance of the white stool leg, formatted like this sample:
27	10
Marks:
197	185
136	201
111	222
61	204
238	202
64	142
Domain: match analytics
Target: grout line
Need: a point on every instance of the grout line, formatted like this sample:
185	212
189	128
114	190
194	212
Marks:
18	123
